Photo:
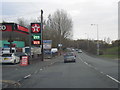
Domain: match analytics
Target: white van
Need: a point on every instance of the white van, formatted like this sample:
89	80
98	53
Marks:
7	50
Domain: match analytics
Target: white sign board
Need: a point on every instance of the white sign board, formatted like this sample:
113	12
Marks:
47	44
59	45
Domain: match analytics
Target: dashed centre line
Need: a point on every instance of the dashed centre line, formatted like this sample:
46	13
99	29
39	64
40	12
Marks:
41	69
27	76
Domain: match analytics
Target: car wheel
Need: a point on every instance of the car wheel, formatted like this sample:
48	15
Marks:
74	61
14	62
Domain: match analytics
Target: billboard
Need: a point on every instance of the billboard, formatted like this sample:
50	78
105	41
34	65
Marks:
47	44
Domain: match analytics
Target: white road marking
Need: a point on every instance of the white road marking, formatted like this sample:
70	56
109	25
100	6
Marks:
113	79
41	69
86	63
101	71
27	76
96	69
89	65
35	72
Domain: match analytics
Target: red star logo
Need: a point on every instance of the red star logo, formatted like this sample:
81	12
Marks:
36	28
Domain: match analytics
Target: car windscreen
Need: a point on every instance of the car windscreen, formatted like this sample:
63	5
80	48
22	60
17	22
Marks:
6	55
69	54
20	54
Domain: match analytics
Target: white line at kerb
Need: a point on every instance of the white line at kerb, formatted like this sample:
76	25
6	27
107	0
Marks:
113	79
102	72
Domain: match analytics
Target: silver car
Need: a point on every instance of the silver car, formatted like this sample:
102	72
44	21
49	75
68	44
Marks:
69	57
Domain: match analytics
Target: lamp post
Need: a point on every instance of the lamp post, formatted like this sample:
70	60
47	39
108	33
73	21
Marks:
87	40
97	38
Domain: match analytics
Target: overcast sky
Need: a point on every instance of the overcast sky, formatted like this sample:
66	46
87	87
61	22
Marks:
83	13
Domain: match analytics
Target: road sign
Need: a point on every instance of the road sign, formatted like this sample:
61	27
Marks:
59	45
47	44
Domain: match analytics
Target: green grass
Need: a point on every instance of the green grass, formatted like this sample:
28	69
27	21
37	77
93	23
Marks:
111	53
110	56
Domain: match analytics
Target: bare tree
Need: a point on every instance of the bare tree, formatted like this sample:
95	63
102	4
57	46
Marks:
59	27
62	23
22	22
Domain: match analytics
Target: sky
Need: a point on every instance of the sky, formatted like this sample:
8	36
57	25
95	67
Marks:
103	13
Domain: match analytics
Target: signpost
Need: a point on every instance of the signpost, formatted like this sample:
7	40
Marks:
47	45
36	34
42	34
60	45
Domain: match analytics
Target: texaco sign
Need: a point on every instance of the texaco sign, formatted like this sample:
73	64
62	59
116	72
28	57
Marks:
2	27
35	28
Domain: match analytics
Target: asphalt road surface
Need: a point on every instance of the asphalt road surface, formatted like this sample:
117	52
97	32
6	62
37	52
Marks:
87	72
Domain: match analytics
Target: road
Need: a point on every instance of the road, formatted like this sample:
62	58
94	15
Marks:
87	72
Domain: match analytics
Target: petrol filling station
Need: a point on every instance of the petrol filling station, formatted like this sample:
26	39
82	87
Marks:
13	32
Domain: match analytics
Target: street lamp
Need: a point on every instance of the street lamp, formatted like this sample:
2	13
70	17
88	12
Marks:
87	40
97	38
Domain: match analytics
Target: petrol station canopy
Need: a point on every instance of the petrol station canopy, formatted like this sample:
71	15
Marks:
13	31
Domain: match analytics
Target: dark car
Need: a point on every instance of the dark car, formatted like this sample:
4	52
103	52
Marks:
69	57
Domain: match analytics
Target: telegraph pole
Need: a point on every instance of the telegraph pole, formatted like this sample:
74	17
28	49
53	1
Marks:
42	35
97	41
